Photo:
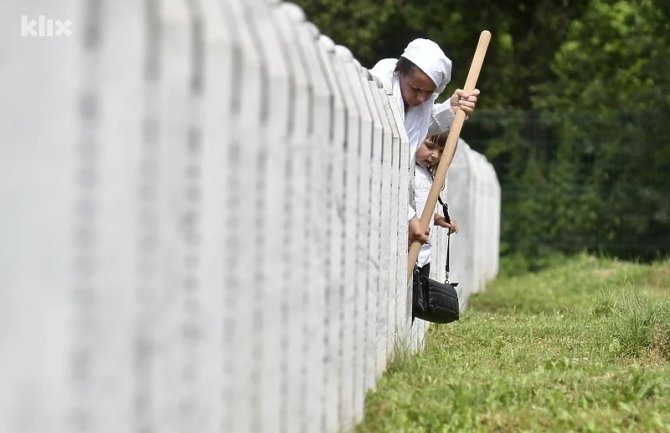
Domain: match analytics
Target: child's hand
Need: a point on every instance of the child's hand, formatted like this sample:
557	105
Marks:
442	222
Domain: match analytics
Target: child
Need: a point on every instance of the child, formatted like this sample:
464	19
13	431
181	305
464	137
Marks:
427	158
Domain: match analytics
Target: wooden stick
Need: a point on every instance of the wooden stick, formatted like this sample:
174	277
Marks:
449	150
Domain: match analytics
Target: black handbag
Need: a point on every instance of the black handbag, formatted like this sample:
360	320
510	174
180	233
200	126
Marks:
433	301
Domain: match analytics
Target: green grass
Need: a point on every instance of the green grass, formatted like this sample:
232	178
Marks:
581	347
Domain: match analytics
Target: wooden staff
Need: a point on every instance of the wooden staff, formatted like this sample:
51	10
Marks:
449	150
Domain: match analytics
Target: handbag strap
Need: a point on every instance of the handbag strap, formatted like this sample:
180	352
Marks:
445	210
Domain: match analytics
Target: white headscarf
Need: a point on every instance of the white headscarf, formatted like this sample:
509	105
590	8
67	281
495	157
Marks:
430	58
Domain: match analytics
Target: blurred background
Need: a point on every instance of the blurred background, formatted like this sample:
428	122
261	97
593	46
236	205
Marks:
574	112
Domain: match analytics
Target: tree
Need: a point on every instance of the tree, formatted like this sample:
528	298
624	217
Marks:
611	84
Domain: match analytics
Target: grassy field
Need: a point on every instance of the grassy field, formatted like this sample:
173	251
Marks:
581	347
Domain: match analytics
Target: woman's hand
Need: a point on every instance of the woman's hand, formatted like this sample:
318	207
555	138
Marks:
415	233
465	101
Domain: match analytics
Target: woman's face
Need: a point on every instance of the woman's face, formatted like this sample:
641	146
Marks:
428	154
416	87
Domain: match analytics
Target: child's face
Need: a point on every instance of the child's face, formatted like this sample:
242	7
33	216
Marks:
428	154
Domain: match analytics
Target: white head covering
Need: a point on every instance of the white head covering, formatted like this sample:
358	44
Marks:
430	58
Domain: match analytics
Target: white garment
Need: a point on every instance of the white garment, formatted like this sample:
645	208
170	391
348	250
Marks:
421	121
422	183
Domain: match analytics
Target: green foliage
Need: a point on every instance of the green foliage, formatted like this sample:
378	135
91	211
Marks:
578	347
612	142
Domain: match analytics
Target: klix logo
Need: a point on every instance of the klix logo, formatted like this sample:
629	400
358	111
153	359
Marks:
43	27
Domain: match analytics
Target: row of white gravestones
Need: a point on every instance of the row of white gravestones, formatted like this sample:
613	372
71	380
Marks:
202	221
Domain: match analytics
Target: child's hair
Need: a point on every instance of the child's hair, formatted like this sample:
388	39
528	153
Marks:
441	141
